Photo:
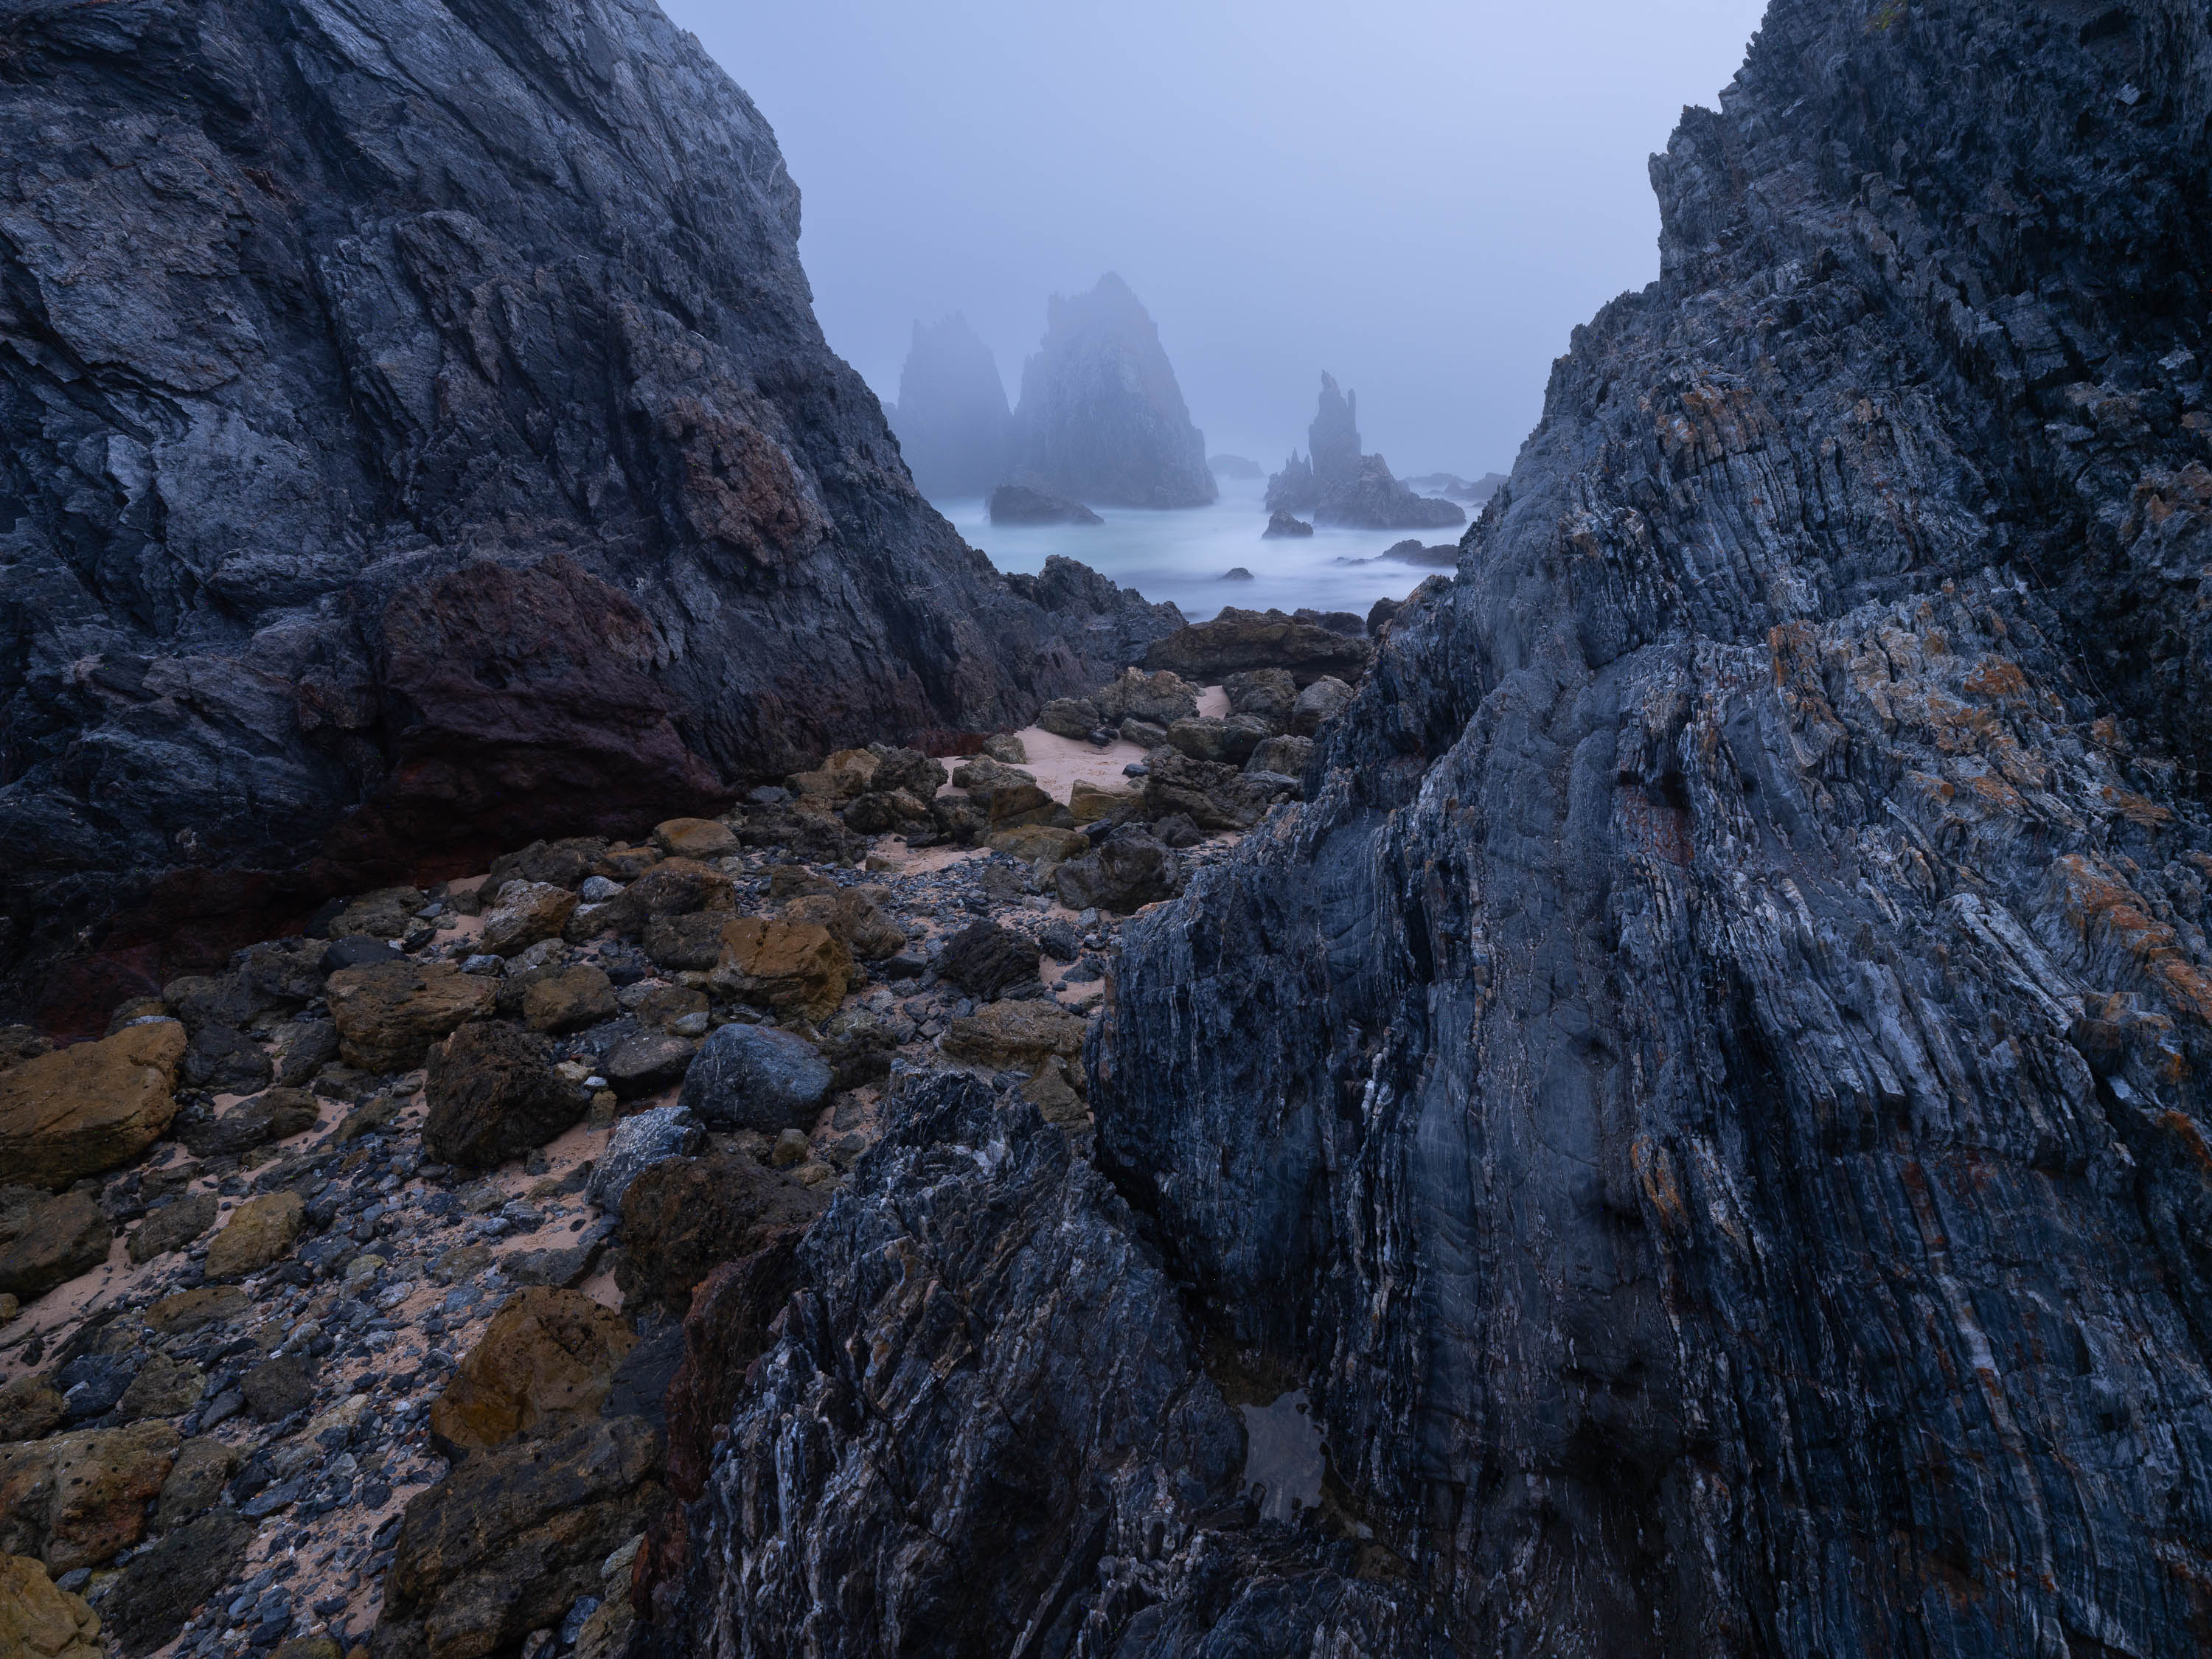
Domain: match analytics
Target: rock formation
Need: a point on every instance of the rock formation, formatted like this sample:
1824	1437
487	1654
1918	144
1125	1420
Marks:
1026	504
1706	1099
417	438
951	417
1336	484
1102	418
1233	466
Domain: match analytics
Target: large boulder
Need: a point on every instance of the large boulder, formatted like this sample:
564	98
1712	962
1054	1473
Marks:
1319	702
260	1232
1159	699
646	1062
569	998
30	1406
1265	694
855	915
1236	641
492	1095
682	1218
794	967
86	1109
1069	717
1229	742
755	1077
388	1014
1285	756
39	1620
66	1237
525	912
507	1543
224	1060
74	1500
987	960
543	1365
1125	875
1212	796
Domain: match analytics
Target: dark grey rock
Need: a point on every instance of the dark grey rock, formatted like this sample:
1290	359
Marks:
755	1077
538	389
1023	504
1282	524
987	960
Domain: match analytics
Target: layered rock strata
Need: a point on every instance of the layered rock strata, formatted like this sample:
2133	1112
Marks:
1706	1095
418	436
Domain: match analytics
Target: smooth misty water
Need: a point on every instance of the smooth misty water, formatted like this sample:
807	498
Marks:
1181	555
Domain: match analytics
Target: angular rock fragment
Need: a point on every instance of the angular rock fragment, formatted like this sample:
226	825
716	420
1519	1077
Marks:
74	1500
39	1620
543	1365
986	960
388	1015
174	1226
66	1237
639	1141
681	1218
1125	875
796	968
93	1107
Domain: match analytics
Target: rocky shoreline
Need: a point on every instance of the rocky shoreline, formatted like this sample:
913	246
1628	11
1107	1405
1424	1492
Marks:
358	1296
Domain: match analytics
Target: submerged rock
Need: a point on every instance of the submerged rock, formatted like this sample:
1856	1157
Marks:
1024	504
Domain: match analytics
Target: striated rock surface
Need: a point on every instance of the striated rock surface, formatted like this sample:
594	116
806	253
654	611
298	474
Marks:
1102	418
1706	1099
954	427
417	438
1709	1093
981	1429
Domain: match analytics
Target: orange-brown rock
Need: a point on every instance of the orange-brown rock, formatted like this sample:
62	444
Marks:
41	1620
94	1107
389	1013
1010	1035
543	1365
260	1231
795	968
75	1499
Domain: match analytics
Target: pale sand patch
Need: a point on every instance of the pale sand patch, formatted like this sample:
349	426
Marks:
906	860
1213	700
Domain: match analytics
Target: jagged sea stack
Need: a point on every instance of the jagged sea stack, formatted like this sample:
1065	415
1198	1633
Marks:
1708	1095
953	425
1338	485
414	434
1102	419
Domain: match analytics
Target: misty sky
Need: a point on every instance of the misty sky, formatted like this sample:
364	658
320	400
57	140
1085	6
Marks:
1422	197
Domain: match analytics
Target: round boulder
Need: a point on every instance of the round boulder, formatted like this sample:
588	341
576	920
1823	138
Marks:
751	1077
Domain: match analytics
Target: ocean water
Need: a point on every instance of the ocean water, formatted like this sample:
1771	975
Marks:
1182	556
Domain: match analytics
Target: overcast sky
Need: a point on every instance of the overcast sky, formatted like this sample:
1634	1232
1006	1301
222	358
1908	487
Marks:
1422	197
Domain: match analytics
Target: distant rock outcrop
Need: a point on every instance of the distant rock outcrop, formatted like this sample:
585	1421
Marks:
1021	504
951	418
1458	488
1234	467
1102	418
1282	525
1335	483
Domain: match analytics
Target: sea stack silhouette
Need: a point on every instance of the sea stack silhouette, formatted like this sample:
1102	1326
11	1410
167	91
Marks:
1102	419
1335	484
951	418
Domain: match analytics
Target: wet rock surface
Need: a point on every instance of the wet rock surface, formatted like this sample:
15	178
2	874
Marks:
1726	1021
502	487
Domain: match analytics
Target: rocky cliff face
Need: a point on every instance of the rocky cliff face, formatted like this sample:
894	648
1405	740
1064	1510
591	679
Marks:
952	421
417	432
1338	485
1102	418
1707	1095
